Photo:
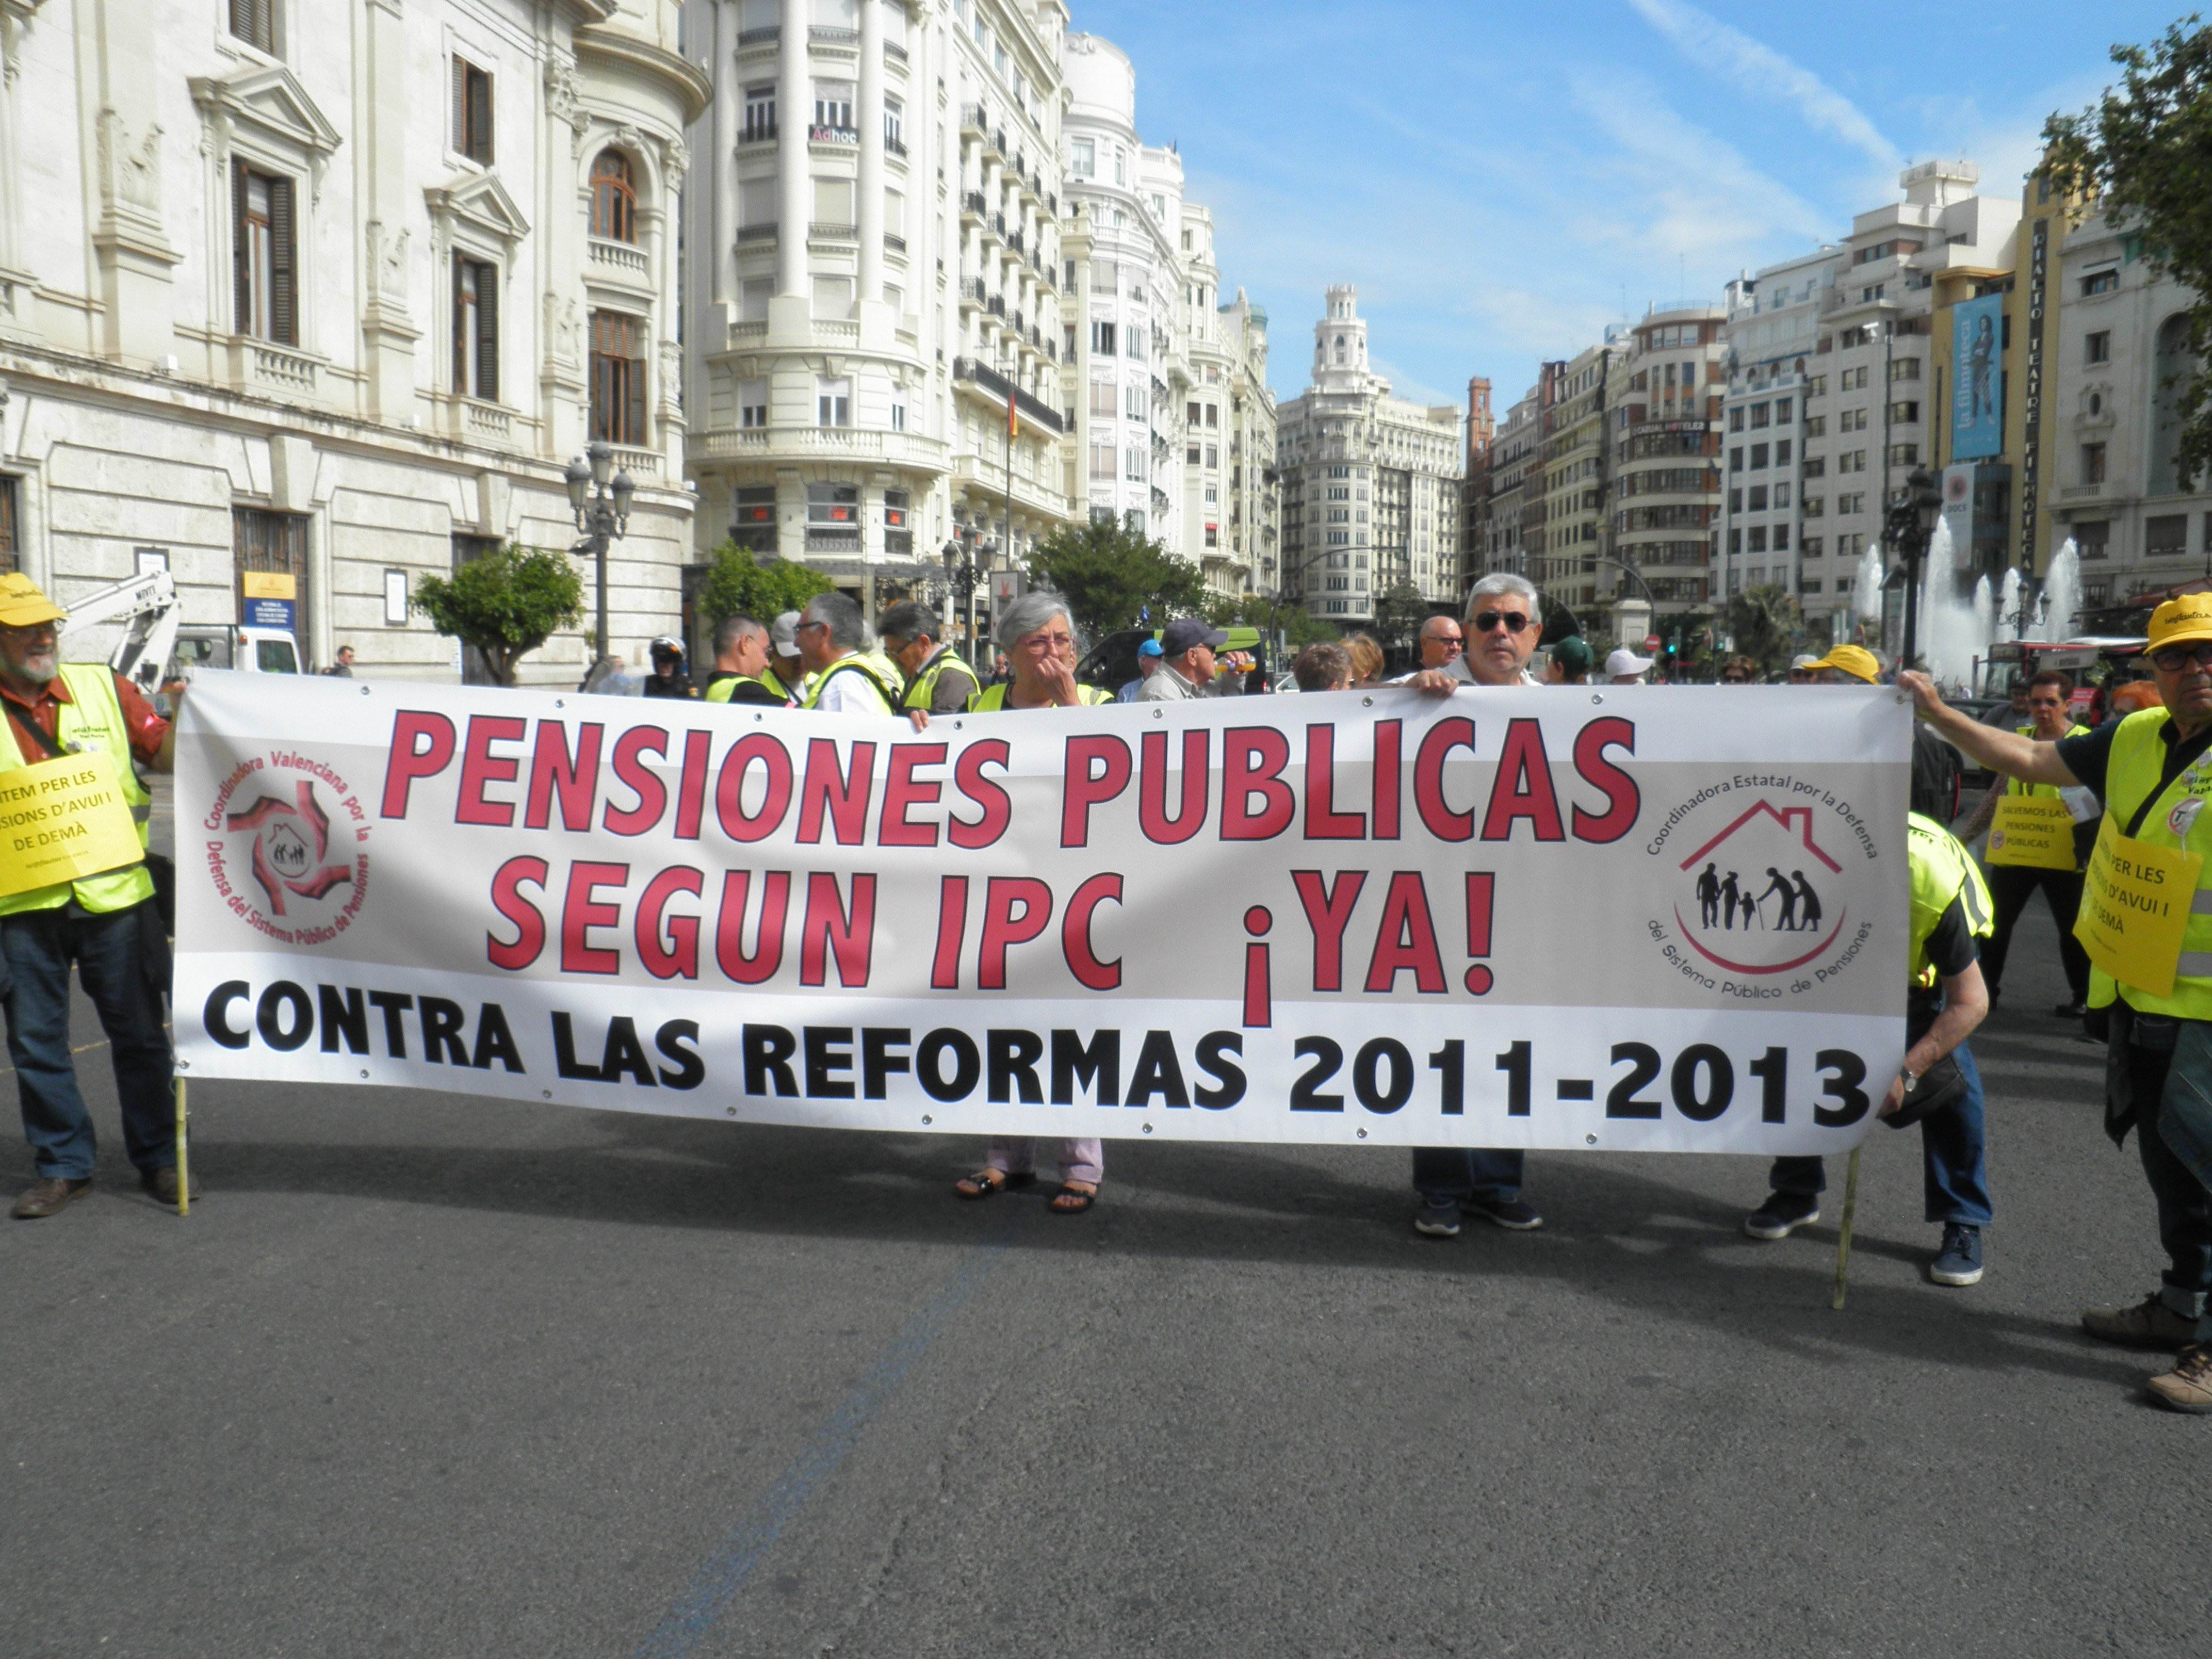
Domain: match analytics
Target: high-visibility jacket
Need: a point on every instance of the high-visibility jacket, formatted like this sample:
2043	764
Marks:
923	691
720	689
92	718
1942	871
992	698
874	668
2130	779
2015	787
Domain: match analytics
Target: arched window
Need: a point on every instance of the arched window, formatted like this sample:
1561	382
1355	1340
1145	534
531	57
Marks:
2170	372
614	197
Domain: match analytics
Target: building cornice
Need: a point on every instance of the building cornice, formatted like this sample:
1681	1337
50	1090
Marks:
618	47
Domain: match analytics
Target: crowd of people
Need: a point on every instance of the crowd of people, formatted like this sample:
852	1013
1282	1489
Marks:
112	926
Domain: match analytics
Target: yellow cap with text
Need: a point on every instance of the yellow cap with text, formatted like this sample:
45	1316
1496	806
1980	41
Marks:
23	603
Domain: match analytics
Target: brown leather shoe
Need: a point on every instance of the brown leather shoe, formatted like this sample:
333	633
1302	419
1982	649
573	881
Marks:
162	1183
49	1197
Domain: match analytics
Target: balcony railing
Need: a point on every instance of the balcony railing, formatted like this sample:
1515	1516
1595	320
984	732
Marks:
974	120
820	231
894	244
626	258
766	37
758	132
822	35
972	202
996	304
989	379
1014	241
757	233
894	143
971	290
894	52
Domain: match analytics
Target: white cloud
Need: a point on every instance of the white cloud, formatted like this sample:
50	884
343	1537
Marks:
1763	71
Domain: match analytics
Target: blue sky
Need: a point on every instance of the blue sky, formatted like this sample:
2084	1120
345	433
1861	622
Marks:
1503	180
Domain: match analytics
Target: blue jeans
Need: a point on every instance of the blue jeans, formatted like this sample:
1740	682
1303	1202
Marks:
1953	1158
1445	1175
38	946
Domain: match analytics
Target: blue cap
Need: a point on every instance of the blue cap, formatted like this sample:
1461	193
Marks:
1149	648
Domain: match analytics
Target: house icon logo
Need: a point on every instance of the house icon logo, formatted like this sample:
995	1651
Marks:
1756	897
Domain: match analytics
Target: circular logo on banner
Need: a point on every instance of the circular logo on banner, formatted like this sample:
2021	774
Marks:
284	850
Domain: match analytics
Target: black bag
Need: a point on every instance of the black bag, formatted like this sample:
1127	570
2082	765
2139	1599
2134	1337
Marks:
1943	1084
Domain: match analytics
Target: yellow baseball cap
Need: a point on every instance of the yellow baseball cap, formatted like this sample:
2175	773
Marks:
1856	660
23	603
2181	621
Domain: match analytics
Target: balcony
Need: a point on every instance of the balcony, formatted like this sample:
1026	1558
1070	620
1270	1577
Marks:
1014	241
894	53
996	304
894	145
820	34
820	231
988	379
639	463
973	120
971	293
971	206
893	244
757	233
758	132
624	259
260	366
999	225
749	39
821	134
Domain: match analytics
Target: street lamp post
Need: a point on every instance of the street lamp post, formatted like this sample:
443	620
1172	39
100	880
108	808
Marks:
1909	528
600	496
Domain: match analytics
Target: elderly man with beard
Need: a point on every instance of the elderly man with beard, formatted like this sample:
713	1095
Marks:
105	922
1501	631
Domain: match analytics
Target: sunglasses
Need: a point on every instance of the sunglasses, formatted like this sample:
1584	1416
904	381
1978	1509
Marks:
1733	679
1513	620
2173	659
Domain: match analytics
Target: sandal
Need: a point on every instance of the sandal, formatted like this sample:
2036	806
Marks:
1073	1200
989	1183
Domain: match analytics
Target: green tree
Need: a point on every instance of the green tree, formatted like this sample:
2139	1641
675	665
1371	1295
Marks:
2143	155
1111	572
1766	624
1399	614
506	602
739	584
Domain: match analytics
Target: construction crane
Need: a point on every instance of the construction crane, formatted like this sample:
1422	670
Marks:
146	608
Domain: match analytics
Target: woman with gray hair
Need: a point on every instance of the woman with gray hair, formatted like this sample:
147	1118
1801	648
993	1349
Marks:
1037	634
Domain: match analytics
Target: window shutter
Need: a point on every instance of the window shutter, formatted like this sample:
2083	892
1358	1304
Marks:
241	254
460	327
488	333
460	105
284	265
480	115
634	404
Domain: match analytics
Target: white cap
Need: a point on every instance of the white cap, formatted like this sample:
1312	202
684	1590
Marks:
1624	662
783	634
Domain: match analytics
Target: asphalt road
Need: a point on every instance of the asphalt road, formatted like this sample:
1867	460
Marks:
424	1376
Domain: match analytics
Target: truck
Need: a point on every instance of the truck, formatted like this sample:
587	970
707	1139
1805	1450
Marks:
153	648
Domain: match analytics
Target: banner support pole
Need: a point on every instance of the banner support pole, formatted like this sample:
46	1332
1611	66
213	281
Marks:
184	1175
1844	1233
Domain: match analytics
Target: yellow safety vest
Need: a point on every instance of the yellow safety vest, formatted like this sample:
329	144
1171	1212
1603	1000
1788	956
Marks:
992	698
1942	871
2130	776
2040	837
920	694
878	670
93	717
720	689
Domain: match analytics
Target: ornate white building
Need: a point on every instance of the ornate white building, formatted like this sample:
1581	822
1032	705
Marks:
331	294
1371	483
875	247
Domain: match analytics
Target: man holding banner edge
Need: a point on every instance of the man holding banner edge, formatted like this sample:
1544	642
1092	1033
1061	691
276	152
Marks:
102	918
2151	956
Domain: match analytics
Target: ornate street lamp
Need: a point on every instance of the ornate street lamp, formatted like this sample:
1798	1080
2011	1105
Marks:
1910	529
600	498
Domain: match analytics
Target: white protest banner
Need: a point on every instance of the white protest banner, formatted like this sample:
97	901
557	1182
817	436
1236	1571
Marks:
1627	918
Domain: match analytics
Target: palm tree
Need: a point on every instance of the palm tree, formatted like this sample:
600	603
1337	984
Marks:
1766	623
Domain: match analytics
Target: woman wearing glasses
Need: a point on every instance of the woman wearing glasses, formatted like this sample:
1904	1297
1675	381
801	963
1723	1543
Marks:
1037	634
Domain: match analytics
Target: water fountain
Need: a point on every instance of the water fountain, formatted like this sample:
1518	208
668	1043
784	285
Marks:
1866	591
2061	618
1985	620
2008	626
1953	631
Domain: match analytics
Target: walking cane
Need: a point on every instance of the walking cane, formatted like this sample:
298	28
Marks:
1843	1238
184	1183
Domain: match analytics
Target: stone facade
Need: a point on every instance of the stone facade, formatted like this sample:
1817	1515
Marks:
1666	453
1370	482
329	302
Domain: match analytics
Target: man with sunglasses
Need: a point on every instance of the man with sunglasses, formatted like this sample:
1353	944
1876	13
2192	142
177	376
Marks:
2152	773
2020	863
1502	622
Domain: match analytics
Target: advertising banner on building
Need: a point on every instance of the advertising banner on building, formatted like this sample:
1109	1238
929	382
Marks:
1977	378
1623	918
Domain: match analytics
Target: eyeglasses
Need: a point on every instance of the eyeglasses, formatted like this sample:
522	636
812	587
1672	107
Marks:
2173	659
803	627
1451	640
1734	680
1513	622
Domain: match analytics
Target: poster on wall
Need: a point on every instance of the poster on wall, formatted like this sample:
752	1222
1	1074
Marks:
1977	378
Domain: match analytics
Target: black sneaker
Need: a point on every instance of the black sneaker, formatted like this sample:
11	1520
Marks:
1509	1213
2073	1010
1959	1261
1436	1218
1783	1214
